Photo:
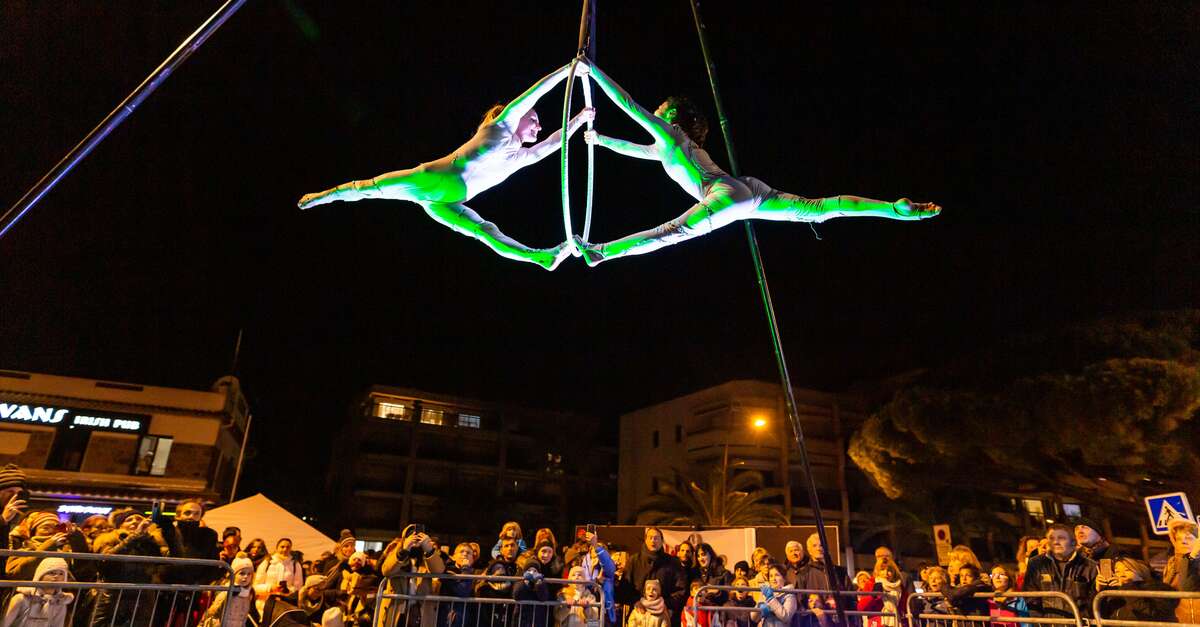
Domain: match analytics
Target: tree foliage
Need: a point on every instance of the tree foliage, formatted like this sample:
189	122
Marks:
1115	398
724	501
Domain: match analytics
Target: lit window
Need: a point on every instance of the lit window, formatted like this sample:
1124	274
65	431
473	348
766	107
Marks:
1072	510
392	411
153	453
432	417
467	420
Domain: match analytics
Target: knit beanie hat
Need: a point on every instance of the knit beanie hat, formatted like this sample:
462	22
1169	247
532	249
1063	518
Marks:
1088	522
11	476
346	536
314	580
37	519
240	562
50	564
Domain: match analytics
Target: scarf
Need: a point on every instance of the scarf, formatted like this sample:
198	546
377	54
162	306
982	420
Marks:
656	607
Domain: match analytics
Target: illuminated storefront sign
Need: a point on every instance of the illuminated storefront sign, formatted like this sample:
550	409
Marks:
103	510
70	418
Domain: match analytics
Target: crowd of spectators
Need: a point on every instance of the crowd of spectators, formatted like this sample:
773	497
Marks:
555	585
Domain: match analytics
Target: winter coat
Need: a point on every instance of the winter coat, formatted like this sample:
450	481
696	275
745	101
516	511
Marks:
1008	606
714	575
894	599
121	542
568	615
457	614
188	539
33	607
1189	609
38	607
1077	579
353	591
532	588
661	566
242	610
640	617
783	609
396	563
1133	608
23	568
276	570
737	618
962	599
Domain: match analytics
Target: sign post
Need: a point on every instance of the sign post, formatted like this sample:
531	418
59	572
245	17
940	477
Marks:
1163	508
941	540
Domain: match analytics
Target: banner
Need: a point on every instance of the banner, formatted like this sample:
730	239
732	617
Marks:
732	545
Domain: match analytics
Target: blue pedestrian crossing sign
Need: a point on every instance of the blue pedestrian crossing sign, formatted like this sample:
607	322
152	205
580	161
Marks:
1163	508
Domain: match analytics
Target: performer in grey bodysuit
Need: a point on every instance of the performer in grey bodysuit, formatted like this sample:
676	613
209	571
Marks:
487	159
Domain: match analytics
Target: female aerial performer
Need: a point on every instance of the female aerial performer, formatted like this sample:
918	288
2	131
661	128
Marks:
495	152
679	129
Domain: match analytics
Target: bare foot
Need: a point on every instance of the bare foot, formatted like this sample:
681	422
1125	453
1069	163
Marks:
909	210
557	255
591	252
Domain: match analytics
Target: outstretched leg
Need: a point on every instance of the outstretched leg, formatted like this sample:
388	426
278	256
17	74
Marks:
462	219
784	206
415	185
714	212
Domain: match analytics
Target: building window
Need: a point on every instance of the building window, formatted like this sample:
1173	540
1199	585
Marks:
393	411
153	453
1072	510
654	439
432	416
467	420
1033	508
678	433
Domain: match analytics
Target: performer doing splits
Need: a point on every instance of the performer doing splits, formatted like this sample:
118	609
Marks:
679	129
487	159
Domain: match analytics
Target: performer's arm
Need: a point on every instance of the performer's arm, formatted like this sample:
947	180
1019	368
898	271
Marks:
553	142
654	125
513	112
622	147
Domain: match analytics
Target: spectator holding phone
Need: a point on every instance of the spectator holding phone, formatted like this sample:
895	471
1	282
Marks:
279	576
412	552
1135	575
14	498
43	532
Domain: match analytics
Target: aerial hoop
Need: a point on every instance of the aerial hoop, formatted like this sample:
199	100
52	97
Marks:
587	31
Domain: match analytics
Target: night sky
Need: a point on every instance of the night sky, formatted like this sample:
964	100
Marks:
1061	138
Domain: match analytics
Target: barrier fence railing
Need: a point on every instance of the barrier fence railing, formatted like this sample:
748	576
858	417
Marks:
802	609
1098	607
948	619
111	602
424	609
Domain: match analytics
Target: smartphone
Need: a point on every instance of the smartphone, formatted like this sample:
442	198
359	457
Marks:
418	528
591	529
156	510
1106	568
22	495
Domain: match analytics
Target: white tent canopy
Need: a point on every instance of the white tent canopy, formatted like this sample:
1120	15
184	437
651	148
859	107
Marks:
260	517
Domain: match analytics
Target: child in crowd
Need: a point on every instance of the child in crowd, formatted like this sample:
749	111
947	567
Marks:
580	607
242	611
41	606
651	610
691	618
738	599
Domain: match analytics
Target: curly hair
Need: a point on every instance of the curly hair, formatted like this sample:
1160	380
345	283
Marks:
689	119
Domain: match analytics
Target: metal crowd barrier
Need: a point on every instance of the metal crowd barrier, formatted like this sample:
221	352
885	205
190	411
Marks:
802	608
476	611
963	620
1100	621
130	604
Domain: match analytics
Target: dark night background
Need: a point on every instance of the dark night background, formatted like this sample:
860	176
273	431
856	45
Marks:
1061	138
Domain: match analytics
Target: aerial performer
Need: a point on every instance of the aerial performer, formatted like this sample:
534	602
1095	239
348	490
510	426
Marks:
679	129
495	151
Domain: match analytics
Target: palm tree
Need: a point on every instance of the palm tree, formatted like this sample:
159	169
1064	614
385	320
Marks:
724	502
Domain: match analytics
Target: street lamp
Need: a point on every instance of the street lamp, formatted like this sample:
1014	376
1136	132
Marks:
760	422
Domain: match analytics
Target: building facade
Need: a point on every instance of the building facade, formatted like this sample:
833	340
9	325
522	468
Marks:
88	446
743	421
464	466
